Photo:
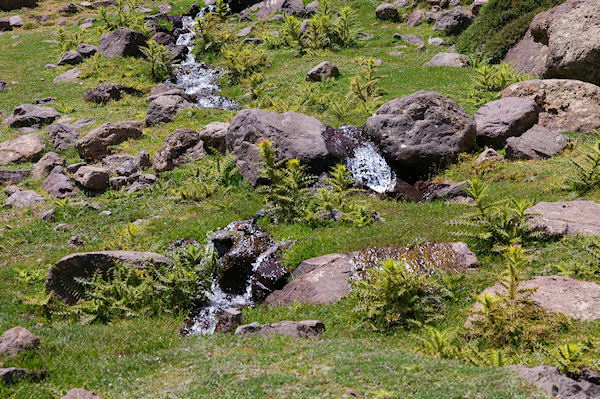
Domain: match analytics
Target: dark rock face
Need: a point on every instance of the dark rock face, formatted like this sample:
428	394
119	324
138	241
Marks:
536	143
420	132
94	145
24	148
556	384
295	329
29	115
8	5
123	42
17	340
62	136
565	218
59	185
322	71
106	92
180	147
454	21
12	375
8	177
60	278
239	5
498	120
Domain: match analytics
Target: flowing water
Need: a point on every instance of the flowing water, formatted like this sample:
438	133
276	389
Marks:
370	169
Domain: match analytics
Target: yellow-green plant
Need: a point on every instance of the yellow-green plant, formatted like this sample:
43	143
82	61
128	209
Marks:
67	40
242	61
438	343
159	60
586	175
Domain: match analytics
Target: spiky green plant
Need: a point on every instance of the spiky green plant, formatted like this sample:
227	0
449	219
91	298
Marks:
159	60
345	27
438	343
586	175
221	9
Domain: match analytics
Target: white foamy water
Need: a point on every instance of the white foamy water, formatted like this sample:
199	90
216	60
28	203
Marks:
370	169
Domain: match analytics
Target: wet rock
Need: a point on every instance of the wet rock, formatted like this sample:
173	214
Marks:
536	143
12	375
78	393
229	320
20	198
454	21
71	57
488	155
498	120
92	178
164	108
448	59
17	340
8	177
86	50
62	135
8	5
94	145
387	12
46	164
107	92
69	76
420	132
61	277
24	148
322	71
410	38
556	384
269	276
565	218
565	105
59	185
294	329
30	115
123	42
269	7
214	136
180	147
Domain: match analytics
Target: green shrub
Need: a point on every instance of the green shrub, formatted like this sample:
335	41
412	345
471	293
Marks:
392	295
126	14
211	35
586	175
500	25
242	61
159	60
67	40
490	80
438	343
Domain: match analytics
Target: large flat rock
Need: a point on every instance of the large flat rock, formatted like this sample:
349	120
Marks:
565	217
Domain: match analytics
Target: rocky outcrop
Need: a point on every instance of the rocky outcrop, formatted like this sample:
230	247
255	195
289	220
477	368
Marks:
94	145
291	7
322	71
107	92
565	218
214	136
62	135
24	148
420	132
8	177
556	384
45	165
17	340
536	143
294	329
528	56
30	115
71	57
448	59
453	21
61	277
180	147
123	42
564	104
498	120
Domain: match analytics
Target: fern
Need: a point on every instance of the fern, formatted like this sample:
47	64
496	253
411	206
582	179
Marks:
586	175
438	343
158	58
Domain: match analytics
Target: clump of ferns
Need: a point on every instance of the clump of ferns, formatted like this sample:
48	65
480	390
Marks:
586	173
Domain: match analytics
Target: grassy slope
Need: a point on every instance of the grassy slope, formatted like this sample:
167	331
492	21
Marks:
146	357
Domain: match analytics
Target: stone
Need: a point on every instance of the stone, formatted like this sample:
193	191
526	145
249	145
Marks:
17	340
45	101
270	275
16	21
71	57
565	105
164	108
8	177
420	132
528	56
43	167
454	21
396	53
268	7
62	135
122	42
417	17
75	242
86	50
59	185
94	145
436	41
294	329
556	384
410	38
536	143
246	31
92	178
387	12
4	85
498	120
78	393
214	137
107	92
448	59
476	6
5	24
62	274
228	320
294	135
180	147
21	198
24	148
312	7
322	71
489	155
565	218
30	115
8	5
69	9
69	76
12	375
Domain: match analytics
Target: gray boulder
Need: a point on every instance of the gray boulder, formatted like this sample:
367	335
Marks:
4	85
164	108
92	178
71	57
556	384
291	7
214	135
94	145
30	115
59	185
410	38
69	76
565	218
123	42
62	135
46	164
20	198
488	156
86	50
322	71
24	148
500	119
17	340
180	147
8	177
421	132
107	92
536	143
417	17
454	21
61	277
16	21
294	329
78	393
436	41
476	6
387	12
448	59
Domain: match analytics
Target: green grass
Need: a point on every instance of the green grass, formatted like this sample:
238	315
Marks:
146	357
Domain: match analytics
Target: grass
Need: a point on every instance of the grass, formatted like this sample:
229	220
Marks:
146	357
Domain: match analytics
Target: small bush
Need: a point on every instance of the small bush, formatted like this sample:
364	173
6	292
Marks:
211	35
490	80
586	175
125	15
67	40
242	61
158	58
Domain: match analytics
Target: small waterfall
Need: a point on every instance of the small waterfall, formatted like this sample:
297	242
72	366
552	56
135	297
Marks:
370	169
199	79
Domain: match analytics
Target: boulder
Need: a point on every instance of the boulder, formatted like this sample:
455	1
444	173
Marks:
417	17
4	26
565	218
69	76
12	375
92	178
62	135
387	12
86	50
4	85
78	393
436	41
322	71
500	119
46	164
410	38
21	198
269	7
556	384
59	185
565	105
536	143
94	145
71	57
488	156
24	148
448	59
294	329
70	8
164	108
16	21
420	132
180	147
107	92
454	21
30	115
229	320
61	277
214	135
8	5
476	6
17	340
123	42
294	136
8	177
528	56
